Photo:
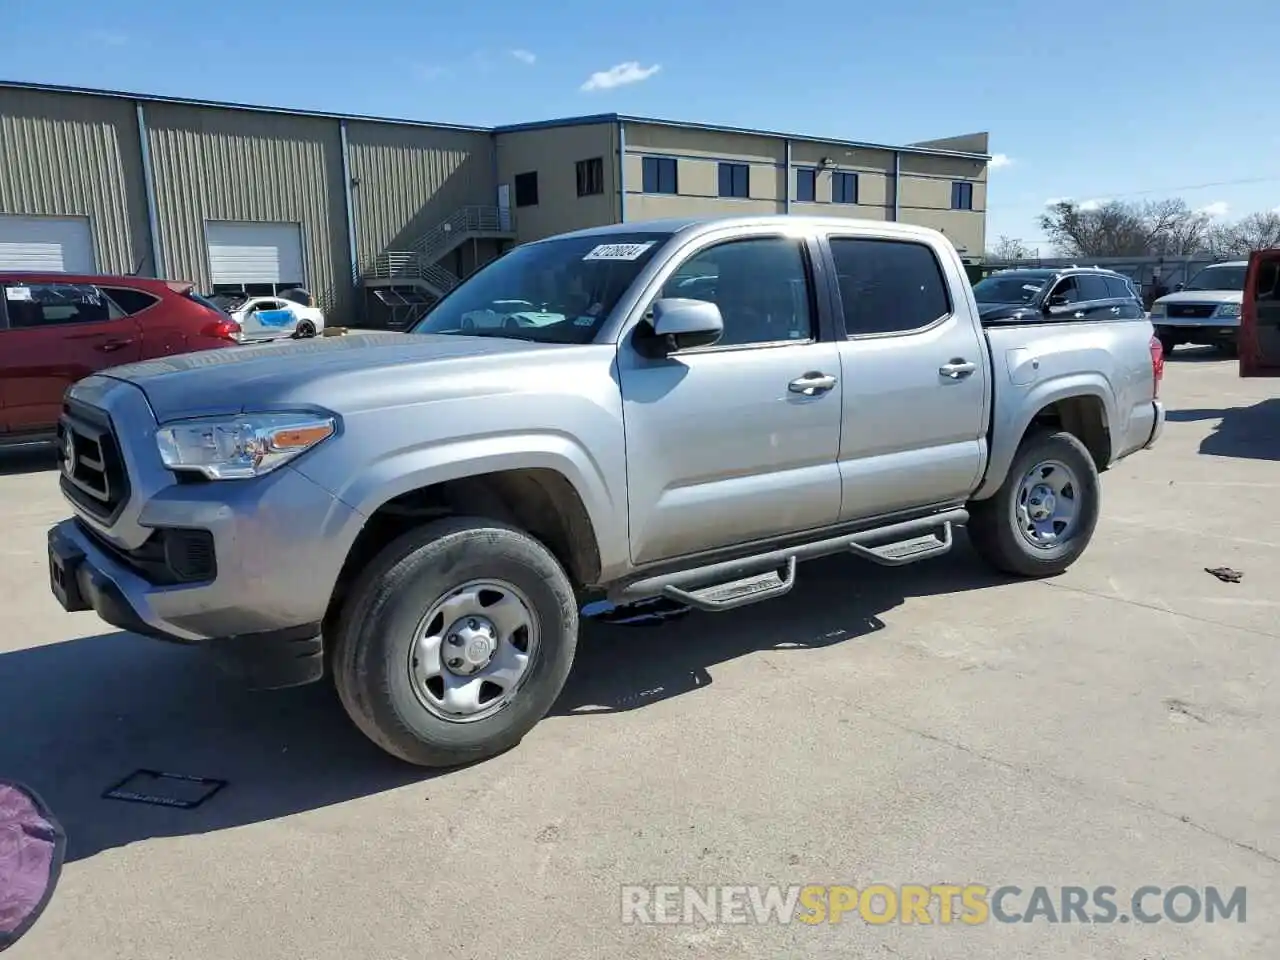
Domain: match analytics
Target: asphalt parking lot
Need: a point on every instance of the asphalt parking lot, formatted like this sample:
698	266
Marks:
935	724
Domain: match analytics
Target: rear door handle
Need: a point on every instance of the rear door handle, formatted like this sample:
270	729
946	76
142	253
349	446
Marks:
957	369
812	384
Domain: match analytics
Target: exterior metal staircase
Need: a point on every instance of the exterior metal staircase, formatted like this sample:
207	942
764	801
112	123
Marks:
418	267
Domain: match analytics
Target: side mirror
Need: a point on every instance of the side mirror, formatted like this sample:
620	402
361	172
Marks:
1057	300
679	324
32	847
1178	286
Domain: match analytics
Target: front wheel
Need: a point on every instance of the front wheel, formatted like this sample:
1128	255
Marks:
455	642
1043	516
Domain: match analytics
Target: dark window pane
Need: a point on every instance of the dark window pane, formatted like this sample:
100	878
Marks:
734	180
844	187
888	286
1118	288
1092	287
527	189
659	175
590	177
806	185
962	196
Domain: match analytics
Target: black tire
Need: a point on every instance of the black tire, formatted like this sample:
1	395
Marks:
305	330
1167	343
1230	347
379	619
994	532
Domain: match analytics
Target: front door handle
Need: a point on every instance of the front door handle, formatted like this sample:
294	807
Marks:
812	384
1115	311
111	345
957	369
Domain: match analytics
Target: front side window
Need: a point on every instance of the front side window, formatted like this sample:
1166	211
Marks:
888	286
1067	291
38	305
1218	278
554	291
761	286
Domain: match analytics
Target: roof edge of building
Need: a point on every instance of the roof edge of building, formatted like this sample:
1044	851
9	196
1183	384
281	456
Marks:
584	120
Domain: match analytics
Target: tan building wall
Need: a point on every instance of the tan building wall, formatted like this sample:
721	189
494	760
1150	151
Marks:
77	156
213	164
553	153
409	179
925	196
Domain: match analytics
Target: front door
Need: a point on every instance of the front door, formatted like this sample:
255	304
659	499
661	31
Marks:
57	333
724	446
915	378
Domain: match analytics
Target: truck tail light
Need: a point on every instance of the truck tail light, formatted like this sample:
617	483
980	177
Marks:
222	330
1157	365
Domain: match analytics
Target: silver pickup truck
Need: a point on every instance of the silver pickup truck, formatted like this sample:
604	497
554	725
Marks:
690	409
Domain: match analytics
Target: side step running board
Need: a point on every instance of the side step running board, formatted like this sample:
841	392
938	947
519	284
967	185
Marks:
737	593
736	583
902	552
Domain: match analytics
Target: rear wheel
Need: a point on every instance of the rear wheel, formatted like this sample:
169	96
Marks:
455	642
304	330
1044	514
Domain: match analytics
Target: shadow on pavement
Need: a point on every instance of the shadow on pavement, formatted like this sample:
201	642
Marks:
79	716
29	458
1198	355
1244	432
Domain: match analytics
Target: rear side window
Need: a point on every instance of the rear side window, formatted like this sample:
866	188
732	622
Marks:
1092	287
888	286
129	300
1118	288
207	304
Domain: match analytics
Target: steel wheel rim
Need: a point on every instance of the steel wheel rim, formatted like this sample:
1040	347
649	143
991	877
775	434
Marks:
472	651
1046	511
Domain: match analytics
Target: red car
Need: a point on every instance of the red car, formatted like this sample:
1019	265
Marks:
1260	316
57	328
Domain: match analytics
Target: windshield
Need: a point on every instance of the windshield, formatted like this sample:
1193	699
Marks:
557	291
1218	278
1008	288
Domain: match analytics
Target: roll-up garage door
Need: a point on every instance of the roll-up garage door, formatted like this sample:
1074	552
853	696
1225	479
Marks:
243	253
46	244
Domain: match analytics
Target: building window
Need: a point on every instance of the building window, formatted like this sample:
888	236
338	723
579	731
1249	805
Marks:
807	185
844	187
590	177
962	196
527	189
735	180
660	175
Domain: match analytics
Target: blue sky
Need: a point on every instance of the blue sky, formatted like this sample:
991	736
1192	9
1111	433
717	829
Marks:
1097	100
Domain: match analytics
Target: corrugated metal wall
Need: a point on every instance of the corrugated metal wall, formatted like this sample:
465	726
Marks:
68	155
410	179
215	164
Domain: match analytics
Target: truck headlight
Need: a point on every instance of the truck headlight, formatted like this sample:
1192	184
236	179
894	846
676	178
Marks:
239	447
1157	309
1229	310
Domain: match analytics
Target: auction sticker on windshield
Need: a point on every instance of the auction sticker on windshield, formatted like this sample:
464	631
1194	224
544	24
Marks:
618	251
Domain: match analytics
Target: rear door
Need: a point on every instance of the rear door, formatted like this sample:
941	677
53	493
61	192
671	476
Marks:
161	330
1096	297
915	375
1260	316
57	333
1125	303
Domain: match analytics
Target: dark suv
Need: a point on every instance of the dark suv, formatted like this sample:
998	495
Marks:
1057	293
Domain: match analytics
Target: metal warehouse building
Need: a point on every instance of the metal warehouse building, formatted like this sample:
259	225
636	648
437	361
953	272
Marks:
379	217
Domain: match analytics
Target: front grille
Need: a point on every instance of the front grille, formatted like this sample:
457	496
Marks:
92	469
1191	311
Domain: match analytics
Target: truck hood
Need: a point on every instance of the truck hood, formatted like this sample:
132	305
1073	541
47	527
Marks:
1203	296
328	372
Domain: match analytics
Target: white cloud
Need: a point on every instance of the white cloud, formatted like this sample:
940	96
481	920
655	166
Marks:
999	160
1216	209
1275	209
525	56
1093	205
620	75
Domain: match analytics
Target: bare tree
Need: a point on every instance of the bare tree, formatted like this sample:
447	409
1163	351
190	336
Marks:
1257	231
1009	248
1119	229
